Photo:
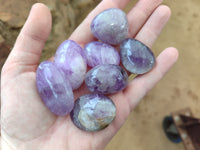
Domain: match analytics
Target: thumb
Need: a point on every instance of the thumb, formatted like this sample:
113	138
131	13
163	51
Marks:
27	50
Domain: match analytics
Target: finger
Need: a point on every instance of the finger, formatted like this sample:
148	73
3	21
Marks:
140	13
141	85
30	42
154	25
152	28
83	34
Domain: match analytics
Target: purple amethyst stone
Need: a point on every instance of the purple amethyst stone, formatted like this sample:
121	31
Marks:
93	112
106	79
54	89
98	53
110	26
71	59
136	57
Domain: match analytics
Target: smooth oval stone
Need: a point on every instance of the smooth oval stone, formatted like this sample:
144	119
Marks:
110	26
106	79
71	59
54	89
136	57
93	112
98	53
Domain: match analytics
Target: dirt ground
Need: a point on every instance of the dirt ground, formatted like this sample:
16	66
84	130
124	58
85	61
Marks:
179	89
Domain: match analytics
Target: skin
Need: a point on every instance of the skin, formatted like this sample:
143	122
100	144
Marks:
25	121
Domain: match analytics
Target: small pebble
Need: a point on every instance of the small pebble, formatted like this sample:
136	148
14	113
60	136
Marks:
93	112
71	59
136	57
110	26
54	89
98	53
106	79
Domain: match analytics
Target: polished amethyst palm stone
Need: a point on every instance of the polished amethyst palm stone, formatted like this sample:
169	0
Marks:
110	26
98	53
93	112
106	79
136	57
71	59
54	89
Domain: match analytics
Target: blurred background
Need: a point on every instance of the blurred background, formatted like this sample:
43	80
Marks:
179	89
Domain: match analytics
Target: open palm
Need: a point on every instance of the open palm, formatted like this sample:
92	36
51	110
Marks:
26	123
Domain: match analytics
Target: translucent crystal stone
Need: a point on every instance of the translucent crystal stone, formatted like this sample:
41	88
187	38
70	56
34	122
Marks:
106	79
93	112
54	89
110	26
136	57
71	59
98	53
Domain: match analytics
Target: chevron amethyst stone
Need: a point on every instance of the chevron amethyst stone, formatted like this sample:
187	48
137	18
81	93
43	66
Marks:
93	112
110	26
54	89
98	53
136	57
106	79
71	59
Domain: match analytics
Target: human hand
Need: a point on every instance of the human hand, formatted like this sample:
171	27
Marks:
27	123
